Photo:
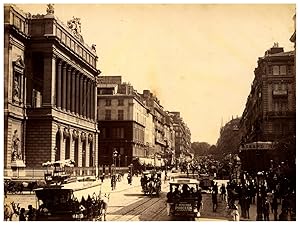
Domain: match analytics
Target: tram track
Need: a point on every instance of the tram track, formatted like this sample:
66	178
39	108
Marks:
144	208
136	209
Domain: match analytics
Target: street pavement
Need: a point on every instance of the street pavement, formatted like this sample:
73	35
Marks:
128	203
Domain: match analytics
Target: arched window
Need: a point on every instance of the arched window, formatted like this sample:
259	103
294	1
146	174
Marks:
91	154
67	151
76	152
84	154
57	146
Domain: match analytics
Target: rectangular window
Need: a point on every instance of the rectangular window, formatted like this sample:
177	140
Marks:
289	69
108	102
275	70
120	114
63	37
121	102
72	45
122	132
282	70
107	114
103	132
119	132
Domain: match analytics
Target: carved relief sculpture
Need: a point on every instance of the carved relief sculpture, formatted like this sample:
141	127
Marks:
18	71
90	138
94	47
75	25
16	89
66	132
16	148
83	136
75	134
50	9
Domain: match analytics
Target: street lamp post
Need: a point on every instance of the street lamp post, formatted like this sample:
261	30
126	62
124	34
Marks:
119	161
259	208
125	160
130	166
115	154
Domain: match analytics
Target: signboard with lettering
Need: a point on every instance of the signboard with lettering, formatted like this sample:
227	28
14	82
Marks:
184	207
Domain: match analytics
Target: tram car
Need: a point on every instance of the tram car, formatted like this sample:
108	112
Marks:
151	183
183	197
67	198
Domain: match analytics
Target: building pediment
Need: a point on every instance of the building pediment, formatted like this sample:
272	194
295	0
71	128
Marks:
19	65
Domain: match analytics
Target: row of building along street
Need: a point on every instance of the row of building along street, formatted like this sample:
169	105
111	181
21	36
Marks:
58	106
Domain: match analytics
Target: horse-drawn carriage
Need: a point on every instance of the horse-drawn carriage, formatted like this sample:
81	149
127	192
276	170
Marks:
151	182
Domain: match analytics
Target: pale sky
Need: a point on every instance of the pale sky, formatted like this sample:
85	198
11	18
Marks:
198	59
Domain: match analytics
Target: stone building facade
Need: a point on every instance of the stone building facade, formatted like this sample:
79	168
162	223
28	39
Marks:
49	90
269	118
182	138
230	138
132	124
270	111
122	119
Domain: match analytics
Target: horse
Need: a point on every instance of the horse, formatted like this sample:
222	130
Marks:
151	187
9	211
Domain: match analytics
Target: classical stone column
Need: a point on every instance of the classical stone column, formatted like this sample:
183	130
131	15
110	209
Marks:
69	89
49	80
81	95
58	93
88	99
64	88
73	98
77	93
84	97
79	164
91	99
94	100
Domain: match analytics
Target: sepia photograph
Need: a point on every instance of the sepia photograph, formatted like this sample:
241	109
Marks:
166	111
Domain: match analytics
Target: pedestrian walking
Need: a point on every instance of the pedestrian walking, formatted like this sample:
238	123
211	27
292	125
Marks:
214	201
223	192
102	177
247	205
266	210
129	178
31	214
113	182
235	213
283	215
22	216
274	207
169	202
199	203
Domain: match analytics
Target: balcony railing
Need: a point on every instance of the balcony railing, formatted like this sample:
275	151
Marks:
280	93
281	113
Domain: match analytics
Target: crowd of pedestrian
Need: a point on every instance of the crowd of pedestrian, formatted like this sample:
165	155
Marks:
266	194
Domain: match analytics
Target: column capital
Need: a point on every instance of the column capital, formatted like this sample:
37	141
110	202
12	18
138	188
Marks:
59	61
